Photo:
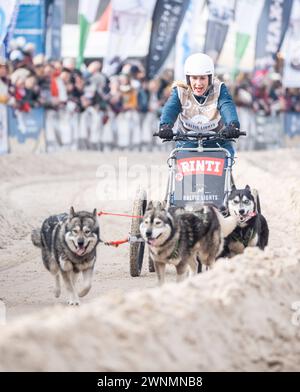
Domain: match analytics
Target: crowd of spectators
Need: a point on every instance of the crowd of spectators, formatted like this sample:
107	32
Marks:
28	81
265	94
32	81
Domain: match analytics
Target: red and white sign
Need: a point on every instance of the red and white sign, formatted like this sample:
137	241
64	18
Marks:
201	165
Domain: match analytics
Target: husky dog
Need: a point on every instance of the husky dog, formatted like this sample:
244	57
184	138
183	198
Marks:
181	237
68	243
252	228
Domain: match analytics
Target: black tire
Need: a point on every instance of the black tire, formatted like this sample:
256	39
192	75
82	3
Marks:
151	265
199	265
136	251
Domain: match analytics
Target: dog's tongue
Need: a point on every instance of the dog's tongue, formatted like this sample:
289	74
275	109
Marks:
151	242
80	251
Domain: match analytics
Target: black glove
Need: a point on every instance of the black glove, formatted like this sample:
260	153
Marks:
231	131
165	132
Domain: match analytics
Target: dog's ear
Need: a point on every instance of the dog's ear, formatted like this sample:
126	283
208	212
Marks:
72	212
163	205
150	205
247	187
95	212
159	205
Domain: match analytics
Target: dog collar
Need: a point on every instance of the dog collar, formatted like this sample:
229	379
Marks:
175	253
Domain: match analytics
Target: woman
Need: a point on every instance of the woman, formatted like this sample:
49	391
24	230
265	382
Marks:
203	99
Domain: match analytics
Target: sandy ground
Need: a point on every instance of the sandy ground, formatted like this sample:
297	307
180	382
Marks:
250	297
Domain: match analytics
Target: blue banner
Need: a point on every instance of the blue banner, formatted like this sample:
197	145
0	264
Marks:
3	130
54	21
23	126
31	23
292	124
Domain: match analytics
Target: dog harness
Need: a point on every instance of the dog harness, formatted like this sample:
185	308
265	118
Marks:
243	238
175	253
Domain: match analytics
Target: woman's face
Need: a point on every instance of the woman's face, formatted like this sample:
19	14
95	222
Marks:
199	84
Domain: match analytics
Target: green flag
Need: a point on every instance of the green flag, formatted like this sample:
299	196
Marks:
86	16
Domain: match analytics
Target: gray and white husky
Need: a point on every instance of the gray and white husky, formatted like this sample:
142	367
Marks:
252	228
182	237
68	243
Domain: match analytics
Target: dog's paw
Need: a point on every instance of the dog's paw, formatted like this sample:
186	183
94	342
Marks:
84	291
57	293
73	302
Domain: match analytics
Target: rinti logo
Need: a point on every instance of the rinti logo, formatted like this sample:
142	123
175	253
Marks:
204	165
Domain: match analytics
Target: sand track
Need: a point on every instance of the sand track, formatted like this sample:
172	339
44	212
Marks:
243	306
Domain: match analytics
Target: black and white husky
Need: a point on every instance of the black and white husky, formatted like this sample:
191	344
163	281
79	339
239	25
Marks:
184	236
68	243
252	228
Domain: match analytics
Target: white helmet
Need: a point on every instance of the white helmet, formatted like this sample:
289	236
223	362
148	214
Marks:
199	64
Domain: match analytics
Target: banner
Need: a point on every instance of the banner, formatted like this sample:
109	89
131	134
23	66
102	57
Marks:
31	23
200	178
3	130
102	23
10	30
7	8
272	26
86	15
291	50
246	26
25	128
186	42
292	124
220	14
54	15
130	22
166	21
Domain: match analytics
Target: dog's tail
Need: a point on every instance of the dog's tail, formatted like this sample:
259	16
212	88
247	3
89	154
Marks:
36	237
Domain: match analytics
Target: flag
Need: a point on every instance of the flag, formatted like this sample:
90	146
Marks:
129	28
291	50
86	15
54	21
8	11
246	27
166	21
7	8
272	26
220	14
102	23
186	41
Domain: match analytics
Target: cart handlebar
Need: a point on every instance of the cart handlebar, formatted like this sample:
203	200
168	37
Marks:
199	135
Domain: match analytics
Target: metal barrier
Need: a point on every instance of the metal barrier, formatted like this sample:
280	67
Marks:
3	130
67	130
267	132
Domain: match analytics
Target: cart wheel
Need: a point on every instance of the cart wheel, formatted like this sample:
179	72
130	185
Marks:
136	251
199	265
151	265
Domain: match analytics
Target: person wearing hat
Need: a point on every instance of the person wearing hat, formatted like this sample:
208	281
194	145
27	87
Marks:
201	99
